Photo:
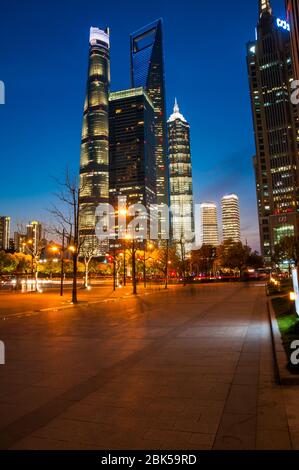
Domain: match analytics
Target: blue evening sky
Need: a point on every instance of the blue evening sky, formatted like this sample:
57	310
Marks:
43	62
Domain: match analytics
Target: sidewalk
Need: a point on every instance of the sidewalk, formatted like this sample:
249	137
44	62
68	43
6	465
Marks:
17	304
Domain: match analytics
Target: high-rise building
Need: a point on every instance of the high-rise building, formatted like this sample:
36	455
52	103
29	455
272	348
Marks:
4	232
231	218
94	160
180	173
132	148
293	18
208	224
20	242
276	128
34	233
147	71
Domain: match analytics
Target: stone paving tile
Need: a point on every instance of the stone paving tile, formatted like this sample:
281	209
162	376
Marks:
38	443
236	432
273	439
202	441
136	377
242	400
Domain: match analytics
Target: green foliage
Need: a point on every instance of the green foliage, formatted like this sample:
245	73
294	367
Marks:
8	263
286	250
234	255
14	263
204	258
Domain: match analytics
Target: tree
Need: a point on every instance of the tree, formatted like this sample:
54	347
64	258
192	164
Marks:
287	250
8	263
23	263
35	251
233	255
67	219
203	259
88	250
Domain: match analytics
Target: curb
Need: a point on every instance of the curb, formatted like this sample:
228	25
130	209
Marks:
283	375
80	304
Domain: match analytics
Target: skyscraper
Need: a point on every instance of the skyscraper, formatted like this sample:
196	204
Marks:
231	218
276	129
147	71
293	18
208	224
20	242
4	232
34	232
132	148
180	172
94	161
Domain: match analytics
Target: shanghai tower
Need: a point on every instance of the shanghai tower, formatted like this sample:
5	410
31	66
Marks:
94	160
147	71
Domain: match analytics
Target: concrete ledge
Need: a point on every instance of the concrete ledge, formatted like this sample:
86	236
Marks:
284	376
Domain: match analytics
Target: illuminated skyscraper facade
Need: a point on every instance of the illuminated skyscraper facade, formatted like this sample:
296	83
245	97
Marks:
94	160
180	173
276	128
208	224
293	18
147	71
35	233
132	149
231	218
4	232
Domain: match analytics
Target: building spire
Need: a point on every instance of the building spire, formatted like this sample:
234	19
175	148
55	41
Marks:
176	113
265	7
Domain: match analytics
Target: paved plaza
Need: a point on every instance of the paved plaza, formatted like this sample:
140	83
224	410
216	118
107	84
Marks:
188	368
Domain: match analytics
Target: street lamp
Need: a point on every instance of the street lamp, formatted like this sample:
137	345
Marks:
55	249
130	237
150	246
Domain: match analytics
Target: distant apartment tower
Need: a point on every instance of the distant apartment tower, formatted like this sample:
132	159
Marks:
20	242
180	173
293	18
231	218
34	233
147	71
94	160
132	149
208	224
276	127
4	232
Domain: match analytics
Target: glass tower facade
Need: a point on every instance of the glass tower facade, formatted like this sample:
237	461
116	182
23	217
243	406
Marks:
132	149
180	172
276	127
94	160
147	71
208	224
293	18
231	218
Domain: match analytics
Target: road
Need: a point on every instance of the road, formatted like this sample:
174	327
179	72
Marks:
191	368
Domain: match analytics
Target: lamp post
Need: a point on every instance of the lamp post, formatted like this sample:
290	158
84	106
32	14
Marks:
125	267
150	246
55	249
134	267
114	268
166	264
30	242
124	212
129	237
